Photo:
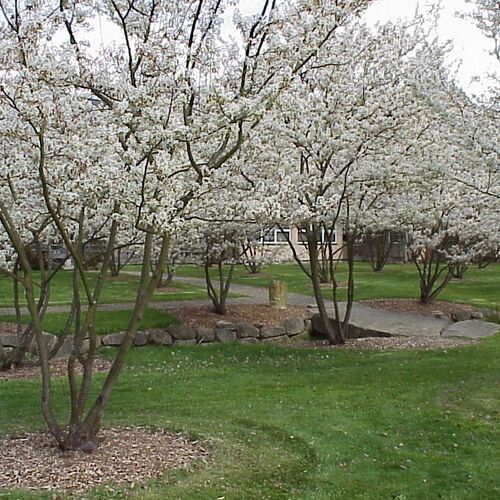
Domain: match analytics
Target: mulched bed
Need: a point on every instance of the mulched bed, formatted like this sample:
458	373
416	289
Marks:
262	314
8	328
415	307
58	368
125	456
392	343
203	316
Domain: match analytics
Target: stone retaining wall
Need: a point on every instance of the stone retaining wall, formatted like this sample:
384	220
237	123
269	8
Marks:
224	332
294	328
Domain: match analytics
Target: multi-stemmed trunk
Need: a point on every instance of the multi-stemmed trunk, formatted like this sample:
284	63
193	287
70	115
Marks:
379	248
219	292
459	269
333	329
252	256
85	418
324	273
336	328
118	262
434	273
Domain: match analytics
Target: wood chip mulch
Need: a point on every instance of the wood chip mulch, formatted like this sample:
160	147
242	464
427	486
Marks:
392	343
125	456
8	328
415	307
261	314
58	368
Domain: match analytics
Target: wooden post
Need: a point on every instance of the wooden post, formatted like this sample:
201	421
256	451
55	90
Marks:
277	294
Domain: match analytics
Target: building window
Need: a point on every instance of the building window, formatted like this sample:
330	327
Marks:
275	236
398	237
322	237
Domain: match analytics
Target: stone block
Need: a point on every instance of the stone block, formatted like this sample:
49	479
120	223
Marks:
491	315
249	340
225	336
9	340
205	334
141	339
113	339
245	330
294	326
472	329
271	331
67	347
225	325
157	336
49	339
461	316
182	332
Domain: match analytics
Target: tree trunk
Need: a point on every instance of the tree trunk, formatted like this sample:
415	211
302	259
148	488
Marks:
380	245
166	279
5	361
114	265
333	333
81	435
459	270
434	274
251	256
219	297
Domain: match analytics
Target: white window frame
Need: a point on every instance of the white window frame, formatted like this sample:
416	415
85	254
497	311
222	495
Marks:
275	236
322	238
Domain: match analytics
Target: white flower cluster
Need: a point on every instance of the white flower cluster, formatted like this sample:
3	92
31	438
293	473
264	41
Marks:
317	118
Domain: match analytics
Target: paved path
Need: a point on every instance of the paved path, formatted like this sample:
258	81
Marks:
248	295
372	321
362	317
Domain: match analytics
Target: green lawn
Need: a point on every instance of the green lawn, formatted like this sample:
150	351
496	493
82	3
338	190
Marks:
106	321
479	287
306	424
116	290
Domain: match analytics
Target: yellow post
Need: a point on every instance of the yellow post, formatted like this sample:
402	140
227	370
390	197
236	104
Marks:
277	294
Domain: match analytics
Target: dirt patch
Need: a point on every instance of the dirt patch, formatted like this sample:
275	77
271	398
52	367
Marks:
8	328
124	455
57	369
392	343
261	314
415	307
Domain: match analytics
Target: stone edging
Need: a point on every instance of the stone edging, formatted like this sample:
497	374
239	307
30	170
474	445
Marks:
224	332
178	334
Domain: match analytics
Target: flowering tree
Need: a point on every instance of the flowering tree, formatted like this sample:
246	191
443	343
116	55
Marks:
487	17
218	245
451	218
446	231
338	137
124	137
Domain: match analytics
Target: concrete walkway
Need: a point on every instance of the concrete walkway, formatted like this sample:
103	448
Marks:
371	320
248	295
364	318
387	323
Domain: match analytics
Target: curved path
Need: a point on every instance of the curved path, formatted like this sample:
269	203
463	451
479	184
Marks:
367	319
